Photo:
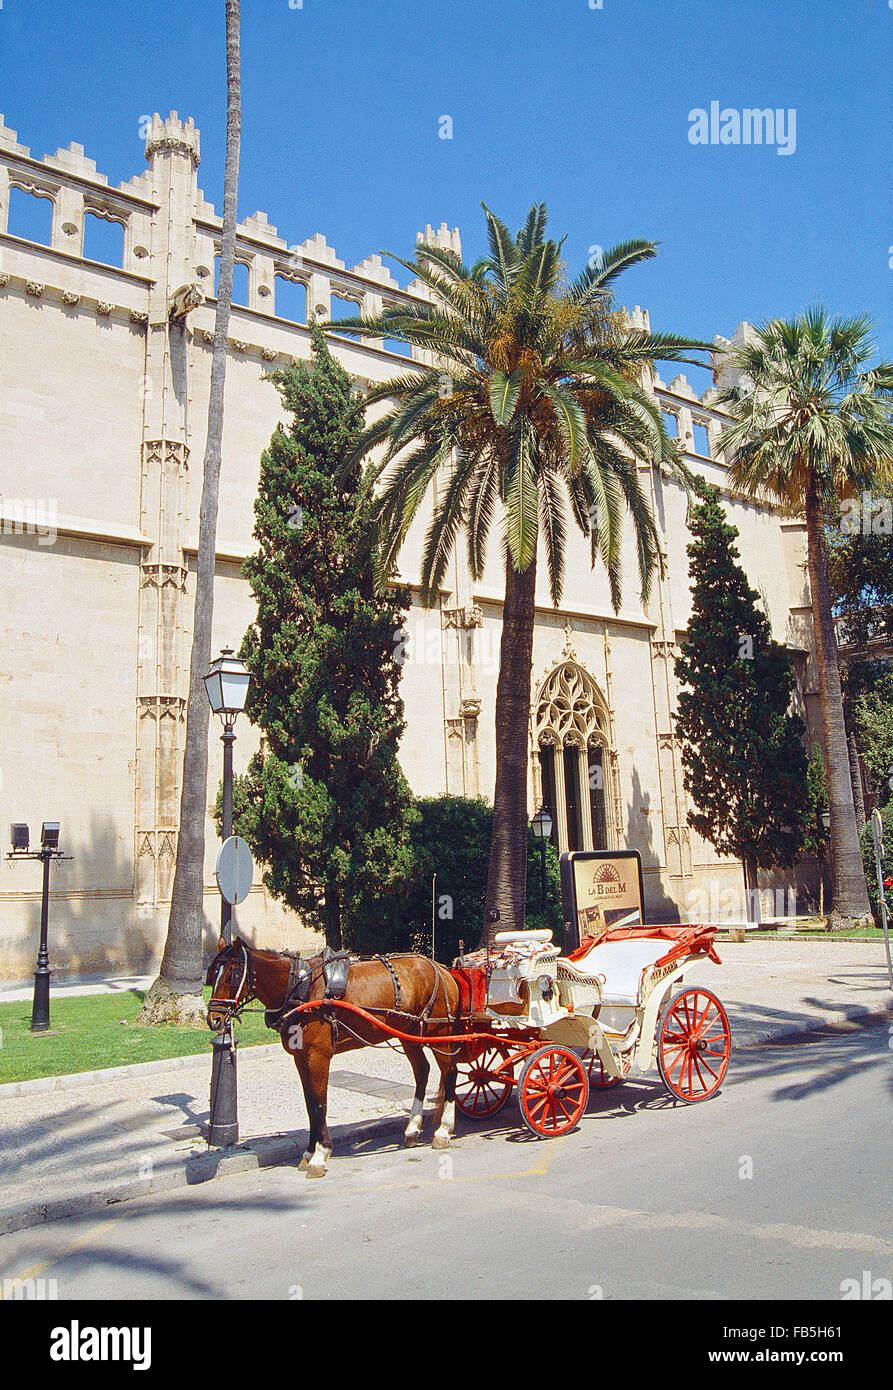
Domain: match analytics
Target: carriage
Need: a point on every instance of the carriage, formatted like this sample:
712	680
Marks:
550	1026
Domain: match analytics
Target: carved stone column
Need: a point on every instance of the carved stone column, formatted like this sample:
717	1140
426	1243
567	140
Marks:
162	656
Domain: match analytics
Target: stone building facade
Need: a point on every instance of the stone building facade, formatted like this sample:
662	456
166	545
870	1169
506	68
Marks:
105	375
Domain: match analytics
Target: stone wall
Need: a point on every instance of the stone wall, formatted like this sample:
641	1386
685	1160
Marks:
105	376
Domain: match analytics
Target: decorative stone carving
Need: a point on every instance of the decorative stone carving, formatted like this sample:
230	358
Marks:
34	287
183	300
162	576
4	279
237	345
568	651
467	617
104	308
470	707
162	706
170	144
269	354
570	709
70	297
138	316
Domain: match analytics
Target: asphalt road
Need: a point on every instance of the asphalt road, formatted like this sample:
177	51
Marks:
778	1188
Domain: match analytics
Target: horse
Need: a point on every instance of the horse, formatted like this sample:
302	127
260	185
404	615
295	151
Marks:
408	992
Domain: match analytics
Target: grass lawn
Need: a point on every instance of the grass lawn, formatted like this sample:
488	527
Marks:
93	1031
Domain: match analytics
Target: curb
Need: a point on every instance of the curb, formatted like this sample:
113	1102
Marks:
279	1150
840	1022
71	1080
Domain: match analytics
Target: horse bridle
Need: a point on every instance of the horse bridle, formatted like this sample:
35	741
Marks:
231	1008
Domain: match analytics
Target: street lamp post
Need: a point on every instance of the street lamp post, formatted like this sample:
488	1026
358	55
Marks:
49	850
227	687
542	829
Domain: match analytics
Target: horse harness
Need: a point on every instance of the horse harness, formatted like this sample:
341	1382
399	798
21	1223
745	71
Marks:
335	970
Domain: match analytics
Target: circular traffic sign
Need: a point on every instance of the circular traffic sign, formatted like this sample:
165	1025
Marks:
235	870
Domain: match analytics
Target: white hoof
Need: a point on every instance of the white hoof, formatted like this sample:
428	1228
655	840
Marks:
315	1171
302	1166
440	1141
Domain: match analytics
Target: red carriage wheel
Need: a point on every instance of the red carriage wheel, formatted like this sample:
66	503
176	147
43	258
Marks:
479	1092
553	1090
598	1076
694	1042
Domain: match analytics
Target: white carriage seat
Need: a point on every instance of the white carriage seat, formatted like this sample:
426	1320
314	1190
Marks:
622	964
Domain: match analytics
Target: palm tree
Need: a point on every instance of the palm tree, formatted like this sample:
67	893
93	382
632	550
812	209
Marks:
811	427
177	993
535	399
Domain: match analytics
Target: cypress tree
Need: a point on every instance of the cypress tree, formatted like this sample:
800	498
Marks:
743	755
324	805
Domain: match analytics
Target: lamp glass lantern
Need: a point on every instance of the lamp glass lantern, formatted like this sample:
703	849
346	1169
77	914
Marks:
542	823
49	835
20	838
227	685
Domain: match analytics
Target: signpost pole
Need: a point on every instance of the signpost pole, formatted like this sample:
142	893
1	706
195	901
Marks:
877	834
235	872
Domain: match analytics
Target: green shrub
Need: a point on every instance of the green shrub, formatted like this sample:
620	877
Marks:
452	841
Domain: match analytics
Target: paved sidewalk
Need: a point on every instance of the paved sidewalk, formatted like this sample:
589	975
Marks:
75	1145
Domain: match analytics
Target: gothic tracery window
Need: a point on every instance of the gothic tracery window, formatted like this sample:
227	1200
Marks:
571	734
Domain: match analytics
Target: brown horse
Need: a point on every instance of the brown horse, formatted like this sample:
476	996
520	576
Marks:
410	993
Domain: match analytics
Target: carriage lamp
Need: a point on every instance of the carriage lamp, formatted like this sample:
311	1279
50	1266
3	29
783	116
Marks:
542	829
826	819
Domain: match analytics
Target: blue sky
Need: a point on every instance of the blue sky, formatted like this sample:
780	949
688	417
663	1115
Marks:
585	109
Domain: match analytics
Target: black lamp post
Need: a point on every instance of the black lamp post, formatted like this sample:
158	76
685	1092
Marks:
49	850
227	686
542	829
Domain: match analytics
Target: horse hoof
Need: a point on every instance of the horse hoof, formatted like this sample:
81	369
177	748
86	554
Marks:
315	1172
412	1141
440	1141
304	1164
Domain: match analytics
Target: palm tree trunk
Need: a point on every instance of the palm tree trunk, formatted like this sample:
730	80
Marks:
849	893
856	778
176	994
751	893
333	917
507	876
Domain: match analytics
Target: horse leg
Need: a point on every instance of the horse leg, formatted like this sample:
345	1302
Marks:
318	1061
305	1086
421	1069
445	1113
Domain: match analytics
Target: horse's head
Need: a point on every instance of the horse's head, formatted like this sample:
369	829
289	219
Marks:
231	978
